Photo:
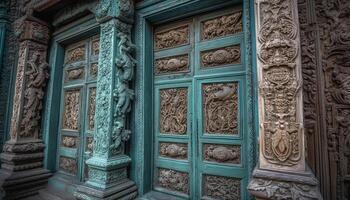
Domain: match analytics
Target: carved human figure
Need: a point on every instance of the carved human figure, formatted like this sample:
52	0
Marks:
125	61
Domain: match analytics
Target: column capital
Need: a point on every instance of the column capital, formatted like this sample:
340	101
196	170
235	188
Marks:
120	9
33	29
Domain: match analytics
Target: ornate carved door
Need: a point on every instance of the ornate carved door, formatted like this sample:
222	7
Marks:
77	108
199	107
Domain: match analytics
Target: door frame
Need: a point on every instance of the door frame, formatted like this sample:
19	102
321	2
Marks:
153	12
74	32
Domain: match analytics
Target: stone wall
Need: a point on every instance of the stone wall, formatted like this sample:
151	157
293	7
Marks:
325	42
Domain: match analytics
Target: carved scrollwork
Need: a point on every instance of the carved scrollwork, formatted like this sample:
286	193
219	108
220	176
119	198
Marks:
222	26
220	107
220	187
173	111
174	64
172	38
222	153
69	142
76	54
71	109
68	165
173	180
74	74
173	150
221	56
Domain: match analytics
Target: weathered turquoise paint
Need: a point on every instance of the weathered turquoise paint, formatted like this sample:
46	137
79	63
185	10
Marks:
153	12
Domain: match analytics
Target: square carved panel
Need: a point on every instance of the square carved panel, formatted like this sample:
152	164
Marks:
220	187
74	74
173	111
220	108
69	142
76	54
173	180
68	165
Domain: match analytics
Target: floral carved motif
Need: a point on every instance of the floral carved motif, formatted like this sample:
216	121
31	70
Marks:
76	54
222	26
220	107
91	108
219	187
173	111
173	180
69	142
173	64
222	153
172	38
221	56
68	165
279	85
74	74
173	150
71	109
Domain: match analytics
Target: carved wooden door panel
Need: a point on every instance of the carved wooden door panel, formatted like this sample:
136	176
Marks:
77	108
199	142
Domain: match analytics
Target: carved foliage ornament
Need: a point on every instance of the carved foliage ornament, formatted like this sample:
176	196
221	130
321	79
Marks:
76	54
172	38
173	180
219	187
173	111
221	56
279	86
71	109
220	107
174	64
222	26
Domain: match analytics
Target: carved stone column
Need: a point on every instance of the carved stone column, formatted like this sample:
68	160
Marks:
282	172
108	178
22	172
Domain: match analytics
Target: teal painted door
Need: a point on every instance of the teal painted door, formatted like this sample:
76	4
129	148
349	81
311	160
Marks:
77	108
199	107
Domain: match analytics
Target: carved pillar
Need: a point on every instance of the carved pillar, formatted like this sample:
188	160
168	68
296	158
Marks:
282	172
22	172
108	177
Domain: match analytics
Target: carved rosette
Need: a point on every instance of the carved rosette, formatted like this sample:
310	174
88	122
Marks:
279	82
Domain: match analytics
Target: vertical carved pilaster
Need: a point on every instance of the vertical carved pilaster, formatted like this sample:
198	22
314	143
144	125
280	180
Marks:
23	154
282	146
108	167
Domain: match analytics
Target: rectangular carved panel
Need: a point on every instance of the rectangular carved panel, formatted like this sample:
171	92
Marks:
222	26
221	56
74	74
220	187
173	180
173	150
89	144
220	108
173	64
68	165
172	38
71	109
173	111
95	47
222	153
75	55
93	70
91	108
70	142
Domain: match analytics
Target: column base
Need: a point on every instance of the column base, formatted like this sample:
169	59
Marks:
274	185
124	190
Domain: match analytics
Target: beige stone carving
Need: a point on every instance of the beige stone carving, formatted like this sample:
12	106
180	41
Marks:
174	64
221	56
172	38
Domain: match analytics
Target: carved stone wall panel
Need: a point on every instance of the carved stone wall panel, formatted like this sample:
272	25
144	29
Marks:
173	64
220	187
71	109
221	56
222	26
68	165
220	108
74	74
221	153
68	141
76	54
173	111
173	180
173	150
93	70
91	108
172	38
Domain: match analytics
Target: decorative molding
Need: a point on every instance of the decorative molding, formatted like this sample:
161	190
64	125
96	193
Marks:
173	111
220	108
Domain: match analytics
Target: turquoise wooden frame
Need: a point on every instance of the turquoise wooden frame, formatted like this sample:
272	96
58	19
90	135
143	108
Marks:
153	12
78	30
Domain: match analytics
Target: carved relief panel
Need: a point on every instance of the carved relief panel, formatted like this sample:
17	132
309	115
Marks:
78	106
197	108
